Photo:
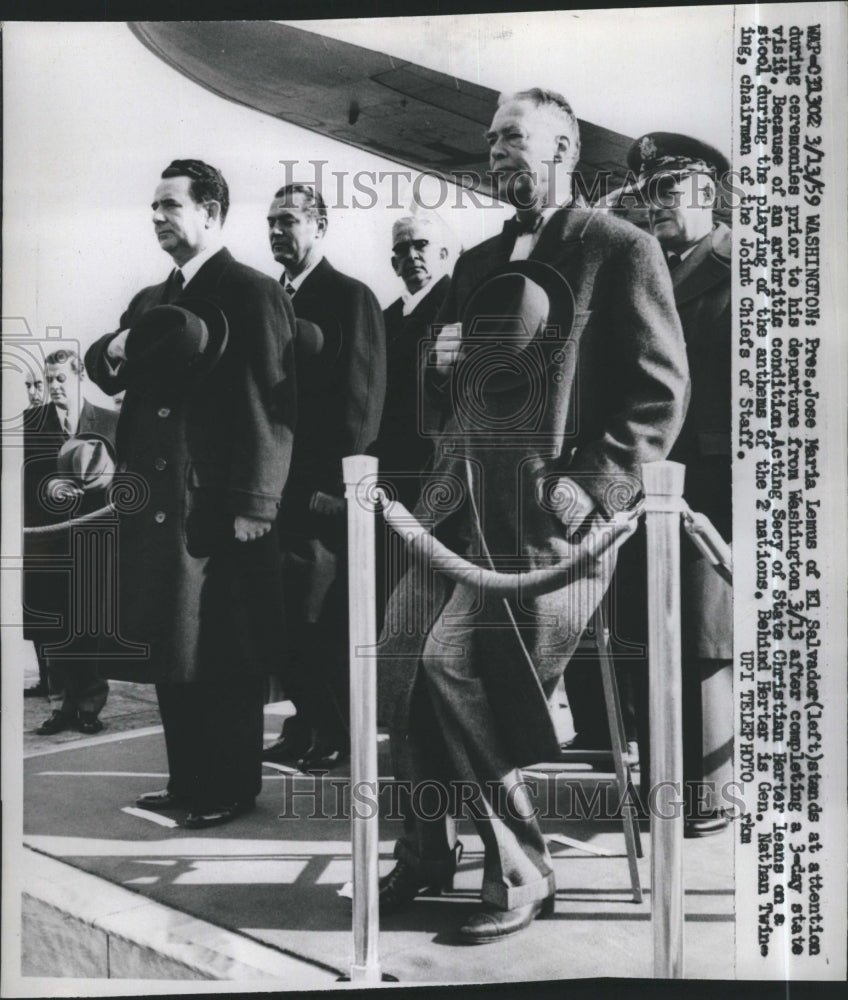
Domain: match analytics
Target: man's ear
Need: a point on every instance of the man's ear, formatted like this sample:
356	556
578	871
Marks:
443	253
563	145
322	223
213	212
396	265
706	192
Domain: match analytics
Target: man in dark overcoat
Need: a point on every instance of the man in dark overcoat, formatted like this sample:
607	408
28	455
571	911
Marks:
205	438
534	462
75	688
341	374
680	177
420	258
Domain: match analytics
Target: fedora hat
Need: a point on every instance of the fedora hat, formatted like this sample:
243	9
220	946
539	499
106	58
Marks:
520	306
172	346
87	461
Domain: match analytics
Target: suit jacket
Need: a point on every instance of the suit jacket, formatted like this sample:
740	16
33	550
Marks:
340	391
613	397
402	449
702	295
205	604
45	579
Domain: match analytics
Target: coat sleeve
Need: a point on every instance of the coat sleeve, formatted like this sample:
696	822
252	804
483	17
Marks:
362	371
647	391
264	404
101	368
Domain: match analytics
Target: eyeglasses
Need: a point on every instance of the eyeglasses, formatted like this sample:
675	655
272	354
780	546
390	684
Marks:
405	246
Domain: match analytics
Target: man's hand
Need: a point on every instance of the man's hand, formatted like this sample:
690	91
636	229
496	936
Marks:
575	505
116	348
326	503
248	529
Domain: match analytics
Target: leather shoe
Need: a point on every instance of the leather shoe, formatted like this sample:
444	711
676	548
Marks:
87	722
705	826
200	819
287	750
491	924
57	722
38	690
160	800
322	756
403	883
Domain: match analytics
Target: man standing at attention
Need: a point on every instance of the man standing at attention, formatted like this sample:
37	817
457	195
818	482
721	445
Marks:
76	690
585	302
420	258
679	176
205	433
341	379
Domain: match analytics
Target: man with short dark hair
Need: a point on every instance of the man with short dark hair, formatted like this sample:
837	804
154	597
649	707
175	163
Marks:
75	688
341	361
568	372
205	433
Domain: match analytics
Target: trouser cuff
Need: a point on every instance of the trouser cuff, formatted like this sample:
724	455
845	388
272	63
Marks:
509	897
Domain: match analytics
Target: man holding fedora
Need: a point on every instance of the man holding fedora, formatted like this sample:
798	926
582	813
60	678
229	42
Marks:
568	372
204	438
68	461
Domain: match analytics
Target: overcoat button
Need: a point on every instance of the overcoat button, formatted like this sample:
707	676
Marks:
160	464
159	516
164	411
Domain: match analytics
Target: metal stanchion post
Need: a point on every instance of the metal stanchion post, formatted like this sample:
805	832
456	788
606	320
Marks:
663	484
359	473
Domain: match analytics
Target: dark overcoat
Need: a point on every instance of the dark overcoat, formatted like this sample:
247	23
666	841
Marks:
340	390
403	451
613	397
46	579
205	605
702	294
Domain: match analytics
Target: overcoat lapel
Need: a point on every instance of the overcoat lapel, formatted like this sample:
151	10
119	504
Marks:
707	266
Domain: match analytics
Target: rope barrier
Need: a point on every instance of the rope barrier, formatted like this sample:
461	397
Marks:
52	529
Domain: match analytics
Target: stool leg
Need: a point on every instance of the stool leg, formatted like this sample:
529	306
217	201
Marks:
622	770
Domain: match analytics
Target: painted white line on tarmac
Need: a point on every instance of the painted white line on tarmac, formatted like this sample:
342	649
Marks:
105	774
151	816
95	741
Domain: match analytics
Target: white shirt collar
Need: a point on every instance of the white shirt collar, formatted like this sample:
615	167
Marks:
191	267
299	280
525	244
411	301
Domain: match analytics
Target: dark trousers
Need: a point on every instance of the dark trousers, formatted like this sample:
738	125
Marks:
213	737
74	686
316	677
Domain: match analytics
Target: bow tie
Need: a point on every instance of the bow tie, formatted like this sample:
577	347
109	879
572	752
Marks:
515	227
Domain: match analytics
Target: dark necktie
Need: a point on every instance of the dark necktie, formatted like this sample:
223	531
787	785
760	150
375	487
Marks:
674	260
176	283
288	287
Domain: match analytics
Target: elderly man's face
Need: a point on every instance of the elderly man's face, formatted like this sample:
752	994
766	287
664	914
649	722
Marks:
680	211
294	232
523	142
63	385
34	389
416	254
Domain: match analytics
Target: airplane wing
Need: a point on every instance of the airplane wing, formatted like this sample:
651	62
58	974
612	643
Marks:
424	119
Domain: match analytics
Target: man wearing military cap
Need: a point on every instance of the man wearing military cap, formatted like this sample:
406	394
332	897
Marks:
680	177
205	432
